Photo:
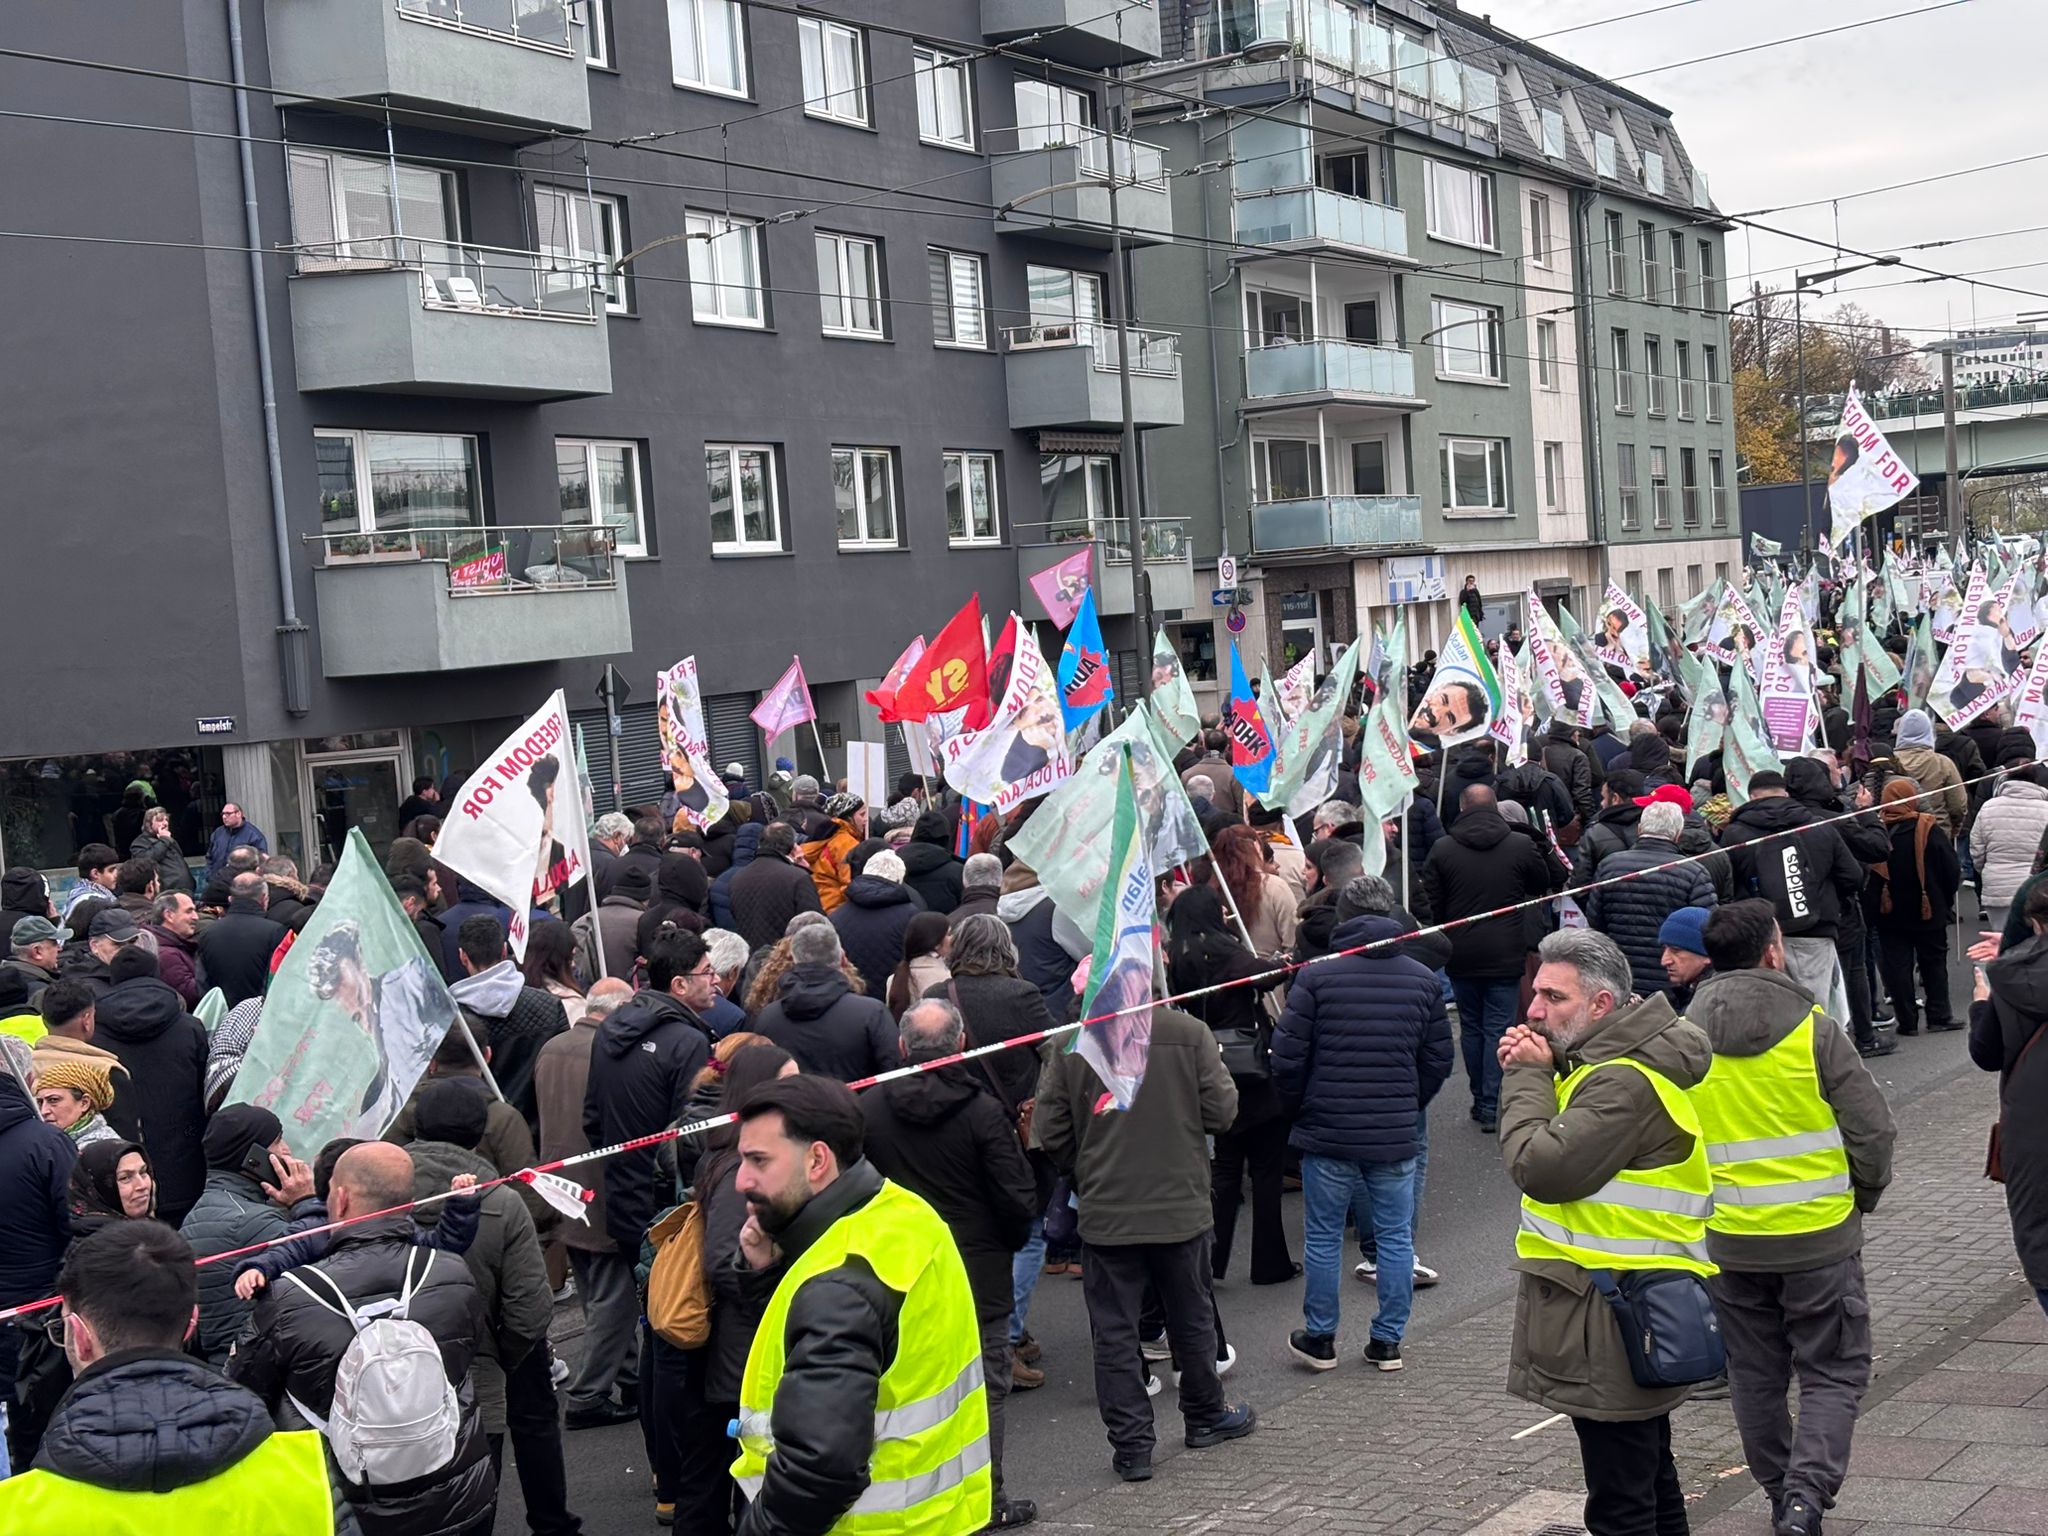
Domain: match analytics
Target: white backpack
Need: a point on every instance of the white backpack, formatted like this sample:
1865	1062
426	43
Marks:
395	1415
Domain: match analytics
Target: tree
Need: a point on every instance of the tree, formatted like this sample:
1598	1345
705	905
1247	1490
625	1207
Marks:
1766	435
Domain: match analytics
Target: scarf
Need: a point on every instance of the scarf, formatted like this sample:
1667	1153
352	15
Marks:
1899	806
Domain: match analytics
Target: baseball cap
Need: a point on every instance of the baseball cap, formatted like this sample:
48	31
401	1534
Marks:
114	923
1668	794
35	930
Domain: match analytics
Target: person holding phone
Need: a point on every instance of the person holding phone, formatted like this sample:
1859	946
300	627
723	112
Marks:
254	1190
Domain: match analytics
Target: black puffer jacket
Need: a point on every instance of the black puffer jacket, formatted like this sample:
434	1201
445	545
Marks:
1483	863
154	1421
35	1176
870	924
1807	875
929	867
162	1100
232	1213
296	1343
766	895
1362	1046
828	1027
1807	782
647	1055
1575	770
1613	829
1650	755
1539	792
1631	912
745	844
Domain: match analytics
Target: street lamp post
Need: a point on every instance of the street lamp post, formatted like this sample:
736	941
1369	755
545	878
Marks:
1801	281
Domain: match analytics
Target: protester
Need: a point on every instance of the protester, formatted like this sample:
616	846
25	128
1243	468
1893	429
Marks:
729	957
1638	888
36	1160
99	870
1913	750
871	920
235	949
927	940
24	893
235	831
19	1017
1783	853
238	1209
1910	901
929	867
33	953
1049	946
73	1093
772	890
1613	826
174	923
160	1100
682	892
618	918
1563	756
826	852
550	966
1811	782
819	1019
1683	936
1246	879
2008	1014
981	886
291	901
517	1019
2005	837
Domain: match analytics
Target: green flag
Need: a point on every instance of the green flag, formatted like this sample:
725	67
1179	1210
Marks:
1172	699
1386	768
1747	752
1119	992
1696	613
1708	725
1919	668
1305	767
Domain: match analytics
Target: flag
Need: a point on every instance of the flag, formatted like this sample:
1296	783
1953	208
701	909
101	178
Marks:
1510	728
2030	709
1173	701
354	1013
1120	968
1306	757
1697	612
1746	751
515	827
1763	548
1464	693
1251	747
884	696
695	791
1084	673
1001	657
1708	724
1386	768
1022	752
1786	686
1062	587
1917	671
1624	632
1865	476
785	706
951	674
1297	686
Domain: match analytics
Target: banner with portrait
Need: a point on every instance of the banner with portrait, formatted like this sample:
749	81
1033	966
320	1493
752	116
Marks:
1464	692
695	791
1624	633
1786	690
1023	751
1865	474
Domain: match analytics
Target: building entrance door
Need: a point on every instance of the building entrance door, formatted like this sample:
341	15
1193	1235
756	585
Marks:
353	789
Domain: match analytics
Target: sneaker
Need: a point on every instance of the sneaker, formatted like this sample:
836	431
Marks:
1490	1126
1877	1046
1796	1516
1235	1422
1368	1270
1382	1354
664	1514
1943	1026
1223	1364
558	1372
1153	1385
1028	1349
567	1291
1425	1277
1024	1376
1133	1469
1317	1351
1010	1513
1156	1348
598	1415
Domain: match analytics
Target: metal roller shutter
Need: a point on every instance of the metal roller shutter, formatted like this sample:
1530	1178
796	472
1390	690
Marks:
729	722
639	754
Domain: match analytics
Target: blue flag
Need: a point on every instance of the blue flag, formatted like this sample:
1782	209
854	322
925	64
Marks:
1251	745
1083	674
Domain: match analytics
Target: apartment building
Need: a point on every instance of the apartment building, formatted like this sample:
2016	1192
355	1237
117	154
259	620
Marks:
595	333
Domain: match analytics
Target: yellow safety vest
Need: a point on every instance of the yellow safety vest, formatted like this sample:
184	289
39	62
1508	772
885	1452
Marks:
280	1487
1773	1142
1642	1218
929	1470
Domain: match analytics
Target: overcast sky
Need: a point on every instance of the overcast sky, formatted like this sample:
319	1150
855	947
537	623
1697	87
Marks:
1924	95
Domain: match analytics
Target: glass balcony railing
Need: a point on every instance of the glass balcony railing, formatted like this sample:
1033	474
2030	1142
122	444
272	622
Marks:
476	279
1333	367
1152	352
1096	153
1168	540
1335	522
480	560
535	23
1316	213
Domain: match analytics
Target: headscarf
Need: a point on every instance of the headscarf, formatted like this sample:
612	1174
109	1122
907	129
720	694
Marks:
230	1045
1900	806
1900	801
236	1131
95	1188
91	1080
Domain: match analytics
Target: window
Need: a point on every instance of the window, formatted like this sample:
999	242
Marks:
1546	353
1362	174
1653	373
596	34
1681	280
1369	467
1720	570
1468	340
418	482
1475	474
1051	114
1653	171
1617	256
725	270
1632	584
1710	360
1286	469
1539	229
1689	486
1553	476
945	97
342	208
707	45
1551	122
1625	480
1660	489
850	285
1362	321
1065	306
835	76
1717	490
957	316
1624	376
1078	493
1665	599
600	483
864	491
1710	296
1604	148
1682	357
1460	203
582	228
972	516
1275	319
745	518
1653	274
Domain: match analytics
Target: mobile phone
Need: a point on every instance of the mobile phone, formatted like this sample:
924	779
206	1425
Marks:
257	1165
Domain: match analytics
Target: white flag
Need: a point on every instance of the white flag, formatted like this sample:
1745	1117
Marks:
1865	475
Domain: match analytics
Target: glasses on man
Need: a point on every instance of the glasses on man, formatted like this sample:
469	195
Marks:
53	1327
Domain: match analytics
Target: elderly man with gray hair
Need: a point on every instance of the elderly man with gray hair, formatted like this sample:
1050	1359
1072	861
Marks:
981	887
831	1030
610	836
1597	1132
945	1135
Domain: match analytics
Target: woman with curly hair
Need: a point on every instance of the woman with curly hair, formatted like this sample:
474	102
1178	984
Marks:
766	986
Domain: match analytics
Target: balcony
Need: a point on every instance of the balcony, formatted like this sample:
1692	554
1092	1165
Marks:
1064	375
1317	219
1329	373
1317	524
1061	191
402	603
513	68
1169	562
1084	32
426	317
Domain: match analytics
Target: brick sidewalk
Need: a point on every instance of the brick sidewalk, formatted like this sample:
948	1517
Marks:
1949	1439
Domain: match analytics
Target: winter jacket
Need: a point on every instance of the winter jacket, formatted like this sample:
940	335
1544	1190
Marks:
35	1172
471	900
1466	770
232	1212
1001	1008
33	976
1936	775
746	843
645	856
2000	1029
1605	750
618	924
1746	1013
870	924
1806	875
647	1055
1650	755
161	1103
235	951
1362	1046
23	893
288	903
1481	864
826	857
1612	829
177	964
1567	1355
1697	840
504	1260
945	1135
1901	881
1049	946
519	1019
561	1081
295	1343
1229	797
1575	771
1142	1175
1631	911
766	895
223	842
931	870
172	872
975	901
1224	962
507	1144
2002	841
1539	792
1808	782
1969	764
828	1027
155	1421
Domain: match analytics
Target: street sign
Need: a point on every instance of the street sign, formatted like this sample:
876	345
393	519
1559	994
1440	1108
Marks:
1221	597
1226	570
1236	622
215	725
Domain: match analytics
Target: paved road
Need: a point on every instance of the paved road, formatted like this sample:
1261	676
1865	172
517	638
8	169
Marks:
1057	1452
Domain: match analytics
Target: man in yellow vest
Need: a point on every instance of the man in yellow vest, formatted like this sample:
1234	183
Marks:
1800	1141
150	1441
1597	1132
862	1409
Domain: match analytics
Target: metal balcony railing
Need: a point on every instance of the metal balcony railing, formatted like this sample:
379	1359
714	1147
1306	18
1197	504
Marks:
483	561
1096	153
474	279
1338	367
1167	539
1294	214
1152	352
531	23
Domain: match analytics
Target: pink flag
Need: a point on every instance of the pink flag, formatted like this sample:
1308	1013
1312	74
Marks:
1061	587
787	705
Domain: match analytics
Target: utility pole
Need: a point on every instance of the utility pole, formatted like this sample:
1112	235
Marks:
1134	511
1952	489
1805	466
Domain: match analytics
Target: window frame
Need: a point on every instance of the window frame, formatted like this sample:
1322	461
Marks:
1710	374
716	284
1658	402
337	211
842	245
1660	487
1491	342
1628	487
1681	276
1484	205
741	60
638	548
962	458
358	439
860	457
952	310
739	545
1617	256
1652	271
819	32
1262	468
1706	279
1717	489
605	209
597	42
1688	485
1553	480
925	75
1621	364
1681	367
1541	245
1547	369
1496	452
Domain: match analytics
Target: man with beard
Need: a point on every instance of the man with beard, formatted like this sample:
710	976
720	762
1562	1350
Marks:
863	1381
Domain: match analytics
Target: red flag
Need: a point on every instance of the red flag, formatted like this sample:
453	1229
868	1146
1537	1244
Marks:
884	697
995	678
952	673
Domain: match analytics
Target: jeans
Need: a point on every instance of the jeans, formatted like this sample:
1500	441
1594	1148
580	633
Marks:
1367	1248
611	1311
1486	1007
1928	944
1381	1198
533	1423
1264	1148
1113	1282
1631	1482
664	1411
1024	1272
1849	951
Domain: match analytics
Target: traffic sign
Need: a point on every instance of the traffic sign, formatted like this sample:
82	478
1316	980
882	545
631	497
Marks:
1222	596
1226	570
1236	622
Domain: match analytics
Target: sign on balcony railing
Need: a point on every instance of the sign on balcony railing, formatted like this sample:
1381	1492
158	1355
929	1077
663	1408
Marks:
479	279
536	23
482	560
